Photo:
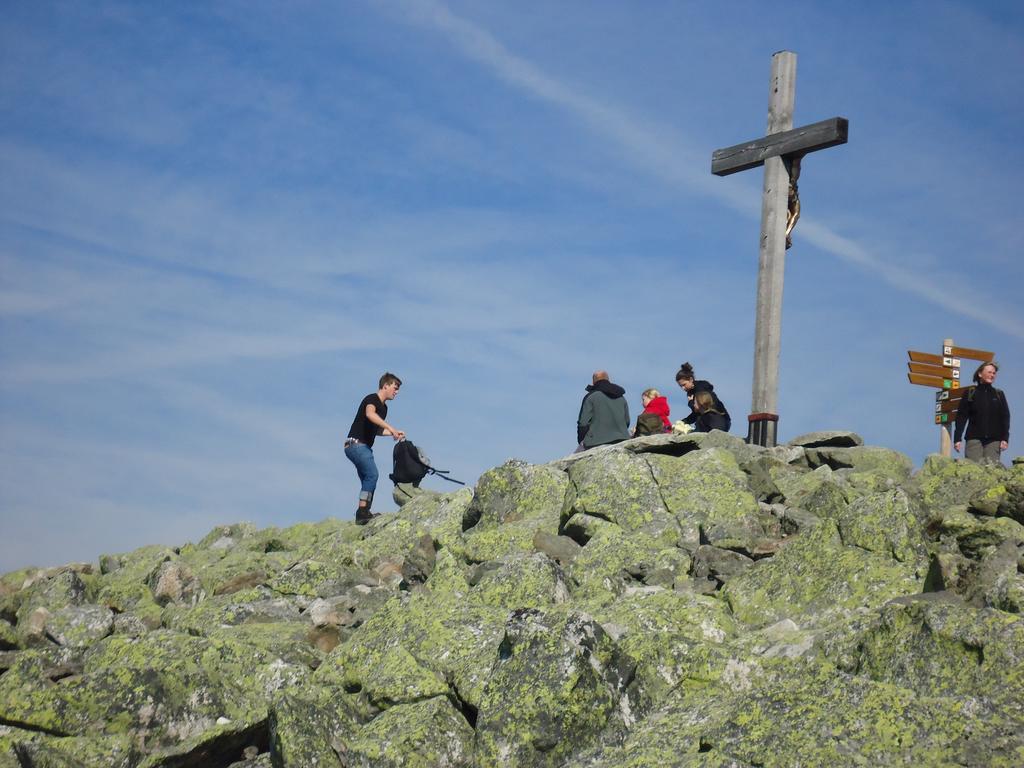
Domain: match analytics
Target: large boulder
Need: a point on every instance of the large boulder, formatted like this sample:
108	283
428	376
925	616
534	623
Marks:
510	505
708	493
618	486
815	576
781	712
558	682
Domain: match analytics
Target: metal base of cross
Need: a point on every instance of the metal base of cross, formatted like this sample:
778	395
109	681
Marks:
763	429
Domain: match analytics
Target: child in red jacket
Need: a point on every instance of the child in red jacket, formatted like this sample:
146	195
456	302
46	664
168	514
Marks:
654	420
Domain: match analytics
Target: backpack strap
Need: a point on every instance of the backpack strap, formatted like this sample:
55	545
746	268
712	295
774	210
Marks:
443	474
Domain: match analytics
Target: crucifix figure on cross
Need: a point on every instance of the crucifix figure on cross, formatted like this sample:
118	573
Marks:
780	152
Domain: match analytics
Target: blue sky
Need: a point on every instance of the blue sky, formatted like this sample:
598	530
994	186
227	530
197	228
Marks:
221	222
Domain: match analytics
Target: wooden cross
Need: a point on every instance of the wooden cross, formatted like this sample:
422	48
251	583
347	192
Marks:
780	152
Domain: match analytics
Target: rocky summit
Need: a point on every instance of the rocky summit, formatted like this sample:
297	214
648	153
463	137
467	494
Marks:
668	601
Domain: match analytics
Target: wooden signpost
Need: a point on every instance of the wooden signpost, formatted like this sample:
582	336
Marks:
781	153
943	373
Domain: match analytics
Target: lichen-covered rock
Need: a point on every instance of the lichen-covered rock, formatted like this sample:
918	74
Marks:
39	750
520	581
996	581
438	514
815	575
430	733
8	636
418	645
781	710
510	505
51	593
614	560
559	681
707	492
667	601
947	483
561	549
308	725
718	564
80	625
864	458
666	632
165	686
827	439
760	480
885	523
618	486
986	534
516	491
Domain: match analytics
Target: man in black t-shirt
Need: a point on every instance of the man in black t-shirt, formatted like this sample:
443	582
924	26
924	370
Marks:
368	423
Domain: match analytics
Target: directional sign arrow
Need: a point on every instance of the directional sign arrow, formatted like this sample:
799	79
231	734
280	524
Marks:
947	406
944	418
934	370
925	357
970	354
933	381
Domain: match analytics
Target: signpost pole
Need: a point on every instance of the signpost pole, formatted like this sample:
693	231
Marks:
946	435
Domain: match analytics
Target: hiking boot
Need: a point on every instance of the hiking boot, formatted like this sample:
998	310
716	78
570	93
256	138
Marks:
363	516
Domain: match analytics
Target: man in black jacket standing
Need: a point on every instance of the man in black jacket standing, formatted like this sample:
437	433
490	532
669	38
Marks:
985	413
604	414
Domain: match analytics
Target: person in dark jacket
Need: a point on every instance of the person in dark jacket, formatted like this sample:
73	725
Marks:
708	417
604	414
986	415
690	384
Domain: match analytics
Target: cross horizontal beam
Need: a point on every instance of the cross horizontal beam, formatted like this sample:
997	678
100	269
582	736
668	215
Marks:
799	141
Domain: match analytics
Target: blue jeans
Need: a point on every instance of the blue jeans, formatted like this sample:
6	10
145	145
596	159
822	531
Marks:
362	456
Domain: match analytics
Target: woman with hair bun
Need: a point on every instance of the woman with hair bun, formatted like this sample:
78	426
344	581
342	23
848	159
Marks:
688	381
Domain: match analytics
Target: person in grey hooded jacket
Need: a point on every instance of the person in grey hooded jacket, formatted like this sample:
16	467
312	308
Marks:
604	413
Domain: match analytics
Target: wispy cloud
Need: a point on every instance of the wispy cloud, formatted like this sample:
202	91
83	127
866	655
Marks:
661	152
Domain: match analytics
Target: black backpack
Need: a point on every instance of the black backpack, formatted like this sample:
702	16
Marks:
411	465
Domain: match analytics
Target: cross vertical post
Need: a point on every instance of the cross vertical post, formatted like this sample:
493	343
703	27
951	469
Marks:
781	152
771	265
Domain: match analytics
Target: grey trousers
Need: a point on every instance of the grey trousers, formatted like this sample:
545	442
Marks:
982	453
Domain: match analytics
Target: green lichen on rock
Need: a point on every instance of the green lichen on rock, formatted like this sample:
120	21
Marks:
415	645
946	482
885	523
775	711
614	560
666	632
167	685
559	681
520	581
618	486
708	494
634	605
422	734
864	458
44	751
818	490
510	505
814	573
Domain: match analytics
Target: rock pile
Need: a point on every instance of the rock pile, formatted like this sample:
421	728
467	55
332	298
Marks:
669	601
